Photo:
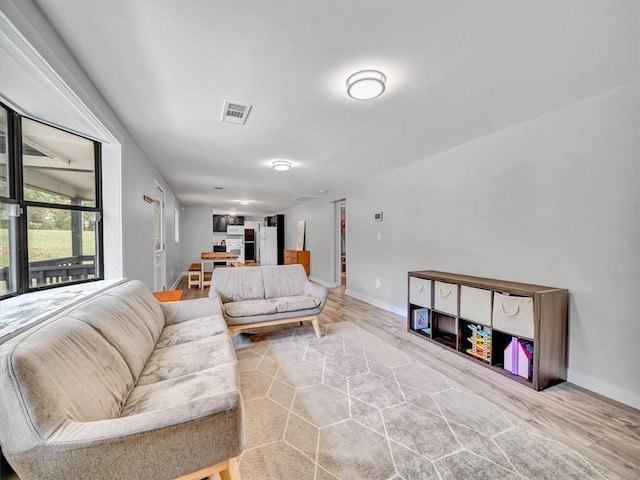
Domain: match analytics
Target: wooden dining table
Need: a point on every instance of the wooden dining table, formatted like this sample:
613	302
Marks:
228	258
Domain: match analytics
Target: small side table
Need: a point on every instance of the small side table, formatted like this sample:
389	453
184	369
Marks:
303	257
168	295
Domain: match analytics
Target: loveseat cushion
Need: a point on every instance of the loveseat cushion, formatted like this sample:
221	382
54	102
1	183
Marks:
191	330
300	302
236	284
283	280
189	357
249	308
177	312
59	372
219	383
128	317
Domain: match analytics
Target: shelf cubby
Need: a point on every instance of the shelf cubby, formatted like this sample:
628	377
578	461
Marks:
444	329
420	320
504	345
475	340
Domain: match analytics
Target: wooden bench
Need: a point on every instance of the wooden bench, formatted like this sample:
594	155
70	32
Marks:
193	275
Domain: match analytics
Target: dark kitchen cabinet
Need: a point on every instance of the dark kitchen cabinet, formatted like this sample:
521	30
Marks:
233	220
221	222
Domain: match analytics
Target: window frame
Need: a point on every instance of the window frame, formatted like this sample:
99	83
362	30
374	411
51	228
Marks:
16	190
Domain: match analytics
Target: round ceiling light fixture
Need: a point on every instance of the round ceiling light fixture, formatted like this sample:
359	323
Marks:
281	165
366	84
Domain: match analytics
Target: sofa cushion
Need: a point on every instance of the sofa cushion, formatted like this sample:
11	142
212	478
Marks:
129	318
60	372
191	330
290	304
176	312
249	308
184	358
283	280
220	383
235	284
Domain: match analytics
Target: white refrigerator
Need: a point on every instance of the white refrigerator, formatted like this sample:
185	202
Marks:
269	246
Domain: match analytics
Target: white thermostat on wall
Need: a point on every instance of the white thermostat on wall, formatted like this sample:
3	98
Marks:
377	217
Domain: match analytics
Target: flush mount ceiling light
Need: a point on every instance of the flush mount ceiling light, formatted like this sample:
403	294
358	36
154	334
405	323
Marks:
281	165
244	202
366	84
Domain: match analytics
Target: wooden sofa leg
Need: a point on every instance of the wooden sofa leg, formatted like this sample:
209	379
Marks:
316	327
232	472
227	470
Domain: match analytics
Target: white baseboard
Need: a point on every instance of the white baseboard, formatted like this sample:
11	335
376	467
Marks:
177	282
322	282
620	394
377	303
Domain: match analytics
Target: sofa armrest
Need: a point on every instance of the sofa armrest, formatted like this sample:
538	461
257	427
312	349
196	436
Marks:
316	290
176	312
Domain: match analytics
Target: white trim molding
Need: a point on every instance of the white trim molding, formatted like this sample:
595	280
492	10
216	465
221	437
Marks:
377	303
24	52
322	282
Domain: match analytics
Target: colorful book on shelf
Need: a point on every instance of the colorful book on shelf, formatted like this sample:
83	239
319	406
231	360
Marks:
518	357
421	319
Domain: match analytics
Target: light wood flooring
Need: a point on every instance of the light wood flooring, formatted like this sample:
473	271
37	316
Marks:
601	429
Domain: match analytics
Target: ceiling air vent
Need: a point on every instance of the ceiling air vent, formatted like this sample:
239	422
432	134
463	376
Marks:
235	113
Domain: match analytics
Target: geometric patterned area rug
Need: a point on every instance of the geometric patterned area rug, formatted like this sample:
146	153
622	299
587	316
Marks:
350	407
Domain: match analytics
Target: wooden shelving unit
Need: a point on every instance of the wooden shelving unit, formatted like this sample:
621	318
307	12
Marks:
482	318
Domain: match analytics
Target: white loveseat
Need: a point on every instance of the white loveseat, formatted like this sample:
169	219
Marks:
268	295
122	387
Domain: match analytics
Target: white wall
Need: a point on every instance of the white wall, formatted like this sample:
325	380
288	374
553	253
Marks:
139	177
127	172
196	234
553	201
319	236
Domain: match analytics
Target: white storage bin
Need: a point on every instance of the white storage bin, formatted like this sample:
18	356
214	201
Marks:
445	297
420	292
475	305
513	315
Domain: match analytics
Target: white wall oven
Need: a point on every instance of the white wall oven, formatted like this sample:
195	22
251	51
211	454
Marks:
236	246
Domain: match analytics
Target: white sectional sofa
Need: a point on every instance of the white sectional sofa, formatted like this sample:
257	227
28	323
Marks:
268	295
122	387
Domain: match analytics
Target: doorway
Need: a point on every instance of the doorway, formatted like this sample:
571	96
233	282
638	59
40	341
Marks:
160	246
341	243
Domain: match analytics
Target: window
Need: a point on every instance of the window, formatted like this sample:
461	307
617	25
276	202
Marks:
4	148
8	284
50	222
9	208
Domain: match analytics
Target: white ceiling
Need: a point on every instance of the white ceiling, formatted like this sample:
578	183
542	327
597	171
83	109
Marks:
455	71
